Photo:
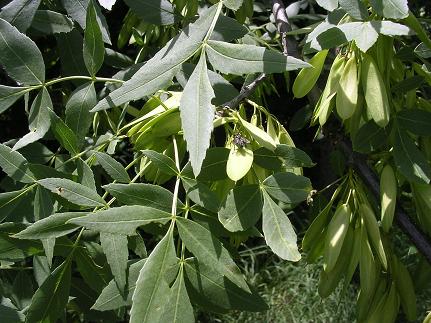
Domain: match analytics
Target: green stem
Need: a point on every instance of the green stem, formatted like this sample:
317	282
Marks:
80	77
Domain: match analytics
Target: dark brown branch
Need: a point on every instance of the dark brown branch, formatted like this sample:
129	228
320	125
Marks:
245	92
283	26
417	237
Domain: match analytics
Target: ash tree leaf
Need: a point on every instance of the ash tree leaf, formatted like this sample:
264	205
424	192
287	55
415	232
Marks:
329	5
278	231
122	220
78	116
293	157
20	13
228	29
246	59
94	50
85	174
179	308
110	297
214	165
149	195
49	301
51	22
355	8
42	204
417	121
9	95
64	135
96	276
197	114
115	248
157	12
267	159
287	187
11	314
161	161
395	9
15	165
369	138
160	70
22	290
409	160
9	201
211	290
152	289
72	191
112	167
53	226
20	56
77	9
233	4
259	135
207	248
70	50
241	208
39	119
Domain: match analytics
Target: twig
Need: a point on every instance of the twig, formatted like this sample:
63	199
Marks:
417	237
289	47
283	26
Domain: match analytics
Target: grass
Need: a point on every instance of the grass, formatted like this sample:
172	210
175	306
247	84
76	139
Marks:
290	290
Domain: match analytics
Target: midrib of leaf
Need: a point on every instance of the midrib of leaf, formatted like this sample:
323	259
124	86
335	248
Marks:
206	252
159	276
19	58
177	300
279	188
24	174
108	164
19	11
81	107
47	308
83	196
25	90
275	219
126	221
243	206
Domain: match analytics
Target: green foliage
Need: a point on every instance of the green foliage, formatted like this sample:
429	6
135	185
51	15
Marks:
174	152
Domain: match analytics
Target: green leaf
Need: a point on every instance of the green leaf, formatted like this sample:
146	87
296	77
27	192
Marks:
9	201
49	301
9	95
416	121
122	220
51	22
42	204
77	9
64	135
73	192
178	308
278	231
157	12
228	29
287	187
395	9
22	290
246	59
110	298
116	251
210	289
85	174
267	159
20	13
197	114
162	162
78	116
10	315
355	8
207	248
160	70
20	56
329	5
112	167
370	137
15	165
214	165
259	135
149	195
94	275
409	160
70	50
94	50
307	77
201	194
53	226
233	4
39	119
293	157
241	208
152	289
